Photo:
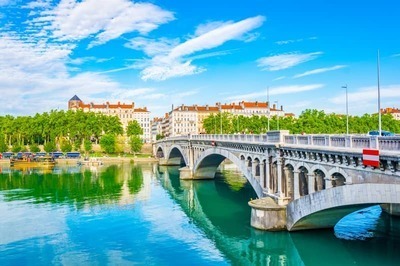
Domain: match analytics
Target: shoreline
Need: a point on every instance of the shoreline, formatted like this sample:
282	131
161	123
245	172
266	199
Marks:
103	159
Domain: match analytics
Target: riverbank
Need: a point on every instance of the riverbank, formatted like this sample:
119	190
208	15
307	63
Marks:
109	160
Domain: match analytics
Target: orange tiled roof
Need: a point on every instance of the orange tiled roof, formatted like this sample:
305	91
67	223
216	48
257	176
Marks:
254	104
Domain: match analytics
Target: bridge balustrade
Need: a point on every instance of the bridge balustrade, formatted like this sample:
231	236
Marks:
320	140
360	142
290	139
339	141
389	143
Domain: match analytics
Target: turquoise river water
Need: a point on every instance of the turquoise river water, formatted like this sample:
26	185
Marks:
143	214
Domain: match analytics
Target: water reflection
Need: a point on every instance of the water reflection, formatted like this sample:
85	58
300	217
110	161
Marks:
219	207
144	213
74	186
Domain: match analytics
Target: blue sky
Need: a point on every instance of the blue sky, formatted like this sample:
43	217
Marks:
161	53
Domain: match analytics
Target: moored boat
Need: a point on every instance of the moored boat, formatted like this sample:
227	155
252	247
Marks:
33	161
90	162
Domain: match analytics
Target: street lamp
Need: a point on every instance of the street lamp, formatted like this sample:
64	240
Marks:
215	127
379	98
268	108
347	110
220	119
277	114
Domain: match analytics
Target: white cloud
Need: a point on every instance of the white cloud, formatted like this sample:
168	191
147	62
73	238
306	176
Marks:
294	40
210	26
151	47
5	2
275	91
366	95
319	70
34	78
279	78
102	19
169	58
37	4
216	37
169	70
283	61
396	55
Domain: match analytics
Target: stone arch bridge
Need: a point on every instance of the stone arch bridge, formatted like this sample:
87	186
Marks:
302	181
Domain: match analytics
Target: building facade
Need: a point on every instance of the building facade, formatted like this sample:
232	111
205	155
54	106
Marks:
395	112
125	112
185	120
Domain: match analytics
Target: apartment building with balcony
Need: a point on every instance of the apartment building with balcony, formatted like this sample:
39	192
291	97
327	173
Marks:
185	120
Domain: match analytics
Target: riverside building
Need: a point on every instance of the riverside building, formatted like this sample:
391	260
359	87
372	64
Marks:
395	112
184	120
125	112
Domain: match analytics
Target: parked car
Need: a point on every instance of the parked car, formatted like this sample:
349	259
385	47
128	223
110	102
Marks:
384	133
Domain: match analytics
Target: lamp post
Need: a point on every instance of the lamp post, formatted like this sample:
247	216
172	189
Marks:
379	98
268	108
347	110
215	127
277	114
238	128
220	119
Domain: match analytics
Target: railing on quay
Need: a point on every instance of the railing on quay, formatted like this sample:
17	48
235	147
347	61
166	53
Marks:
283	137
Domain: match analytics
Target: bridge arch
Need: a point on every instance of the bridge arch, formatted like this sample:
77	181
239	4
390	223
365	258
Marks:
323	209
159	152
303	180
338	170
206	166
320	174
177	155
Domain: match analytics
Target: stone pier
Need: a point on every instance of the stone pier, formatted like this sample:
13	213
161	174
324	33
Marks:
266	214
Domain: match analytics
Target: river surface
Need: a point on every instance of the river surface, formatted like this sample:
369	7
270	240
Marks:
143	214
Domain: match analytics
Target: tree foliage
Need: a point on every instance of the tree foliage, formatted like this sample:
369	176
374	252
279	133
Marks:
3	144
134	129
310	121
136	144
108	143
56	126
34	148
50	146
87	144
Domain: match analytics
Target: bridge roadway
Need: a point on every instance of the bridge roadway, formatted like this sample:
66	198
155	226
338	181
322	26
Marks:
302	181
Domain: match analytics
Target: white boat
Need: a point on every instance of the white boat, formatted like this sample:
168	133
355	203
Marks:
90	162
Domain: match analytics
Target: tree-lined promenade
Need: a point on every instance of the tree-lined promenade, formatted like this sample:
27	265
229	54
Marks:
66	131
78	130
309	122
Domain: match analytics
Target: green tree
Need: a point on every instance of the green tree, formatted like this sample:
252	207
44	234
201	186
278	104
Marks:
108	143
16	148
3	144
34	148
50	146
66	146
135	144
134	129
87	144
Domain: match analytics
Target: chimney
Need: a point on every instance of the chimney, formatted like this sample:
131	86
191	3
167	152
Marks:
207	108
256	103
